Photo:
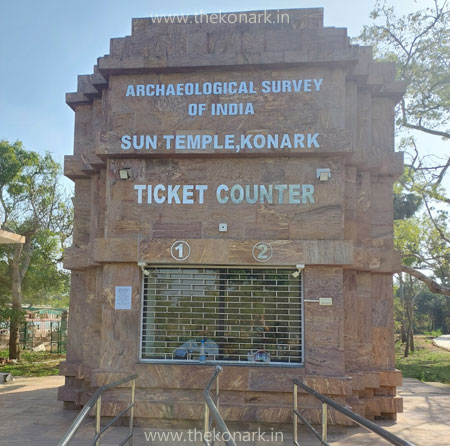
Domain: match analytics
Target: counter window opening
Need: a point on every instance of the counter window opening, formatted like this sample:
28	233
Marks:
239	315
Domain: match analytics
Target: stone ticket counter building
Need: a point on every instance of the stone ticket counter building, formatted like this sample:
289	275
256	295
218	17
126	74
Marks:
233	205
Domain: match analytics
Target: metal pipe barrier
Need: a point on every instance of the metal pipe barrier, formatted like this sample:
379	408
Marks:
96	400
358	419
212	407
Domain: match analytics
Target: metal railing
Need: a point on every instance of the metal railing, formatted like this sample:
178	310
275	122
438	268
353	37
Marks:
96	400
363	422
212	407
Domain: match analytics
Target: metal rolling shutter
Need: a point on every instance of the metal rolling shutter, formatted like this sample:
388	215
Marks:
237	311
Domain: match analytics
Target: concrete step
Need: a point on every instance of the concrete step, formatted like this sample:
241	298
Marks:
5	378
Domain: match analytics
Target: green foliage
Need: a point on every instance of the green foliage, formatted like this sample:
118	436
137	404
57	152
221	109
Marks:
433	313
422	244
32	364
406	201
423	238
433	333
426	363
8	314
405	205
407	239
13	157
420	45
32	204
45	281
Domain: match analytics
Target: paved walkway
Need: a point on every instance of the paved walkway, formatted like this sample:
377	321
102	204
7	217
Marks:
442	342
30	415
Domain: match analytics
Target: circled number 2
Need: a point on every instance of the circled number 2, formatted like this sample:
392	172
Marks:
262	252
180	250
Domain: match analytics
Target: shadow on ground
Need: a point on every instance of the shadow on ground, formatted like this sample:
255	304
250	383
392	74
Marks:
30	414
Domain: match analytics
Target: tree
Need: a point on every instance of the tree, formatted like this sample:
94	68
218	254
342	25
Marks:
433	311
31	204
419	44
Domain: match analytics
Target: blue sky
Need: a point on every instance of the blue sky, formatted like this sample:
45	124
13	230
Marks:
45	44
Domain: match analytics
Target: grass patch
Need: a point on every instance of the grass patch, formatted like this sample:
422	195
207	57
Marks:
433	333
32	364
427	362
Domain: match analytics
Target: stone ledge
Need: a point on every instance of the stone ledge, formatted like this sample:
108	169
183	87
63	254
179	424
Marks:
76	258
204	252
239	252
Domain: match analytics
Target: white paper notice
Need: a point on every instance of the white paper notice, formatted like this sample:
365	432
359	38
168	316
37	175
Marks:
123	298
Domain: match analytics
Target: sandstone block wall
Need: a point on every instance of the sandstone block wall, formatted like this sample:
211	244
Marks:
344	238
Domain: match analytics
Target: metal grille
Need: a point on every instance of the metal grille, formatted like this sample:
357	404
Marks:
239	315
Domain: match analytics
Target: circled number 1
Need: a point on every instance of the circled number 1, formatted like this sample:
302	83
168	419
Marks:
180	250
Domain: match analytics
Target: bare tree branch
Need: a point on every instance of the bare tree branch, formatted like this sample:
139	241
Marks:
430	215
443	171
433	286
426	130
